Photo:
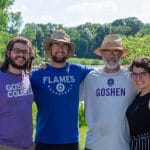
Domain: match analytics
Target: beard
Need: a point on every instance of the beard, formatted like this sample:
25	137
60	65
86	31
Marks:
59	59
20	67
111	64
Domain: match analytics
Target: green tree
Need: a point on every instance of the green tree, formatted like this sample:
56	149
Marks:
124	30
4	5
14	22
29	31
4	38
146	29
101	32
137	45
134	24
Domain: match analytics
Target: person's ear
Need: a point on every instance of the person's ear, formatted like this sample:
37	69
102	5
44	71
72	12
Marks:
48	52
121	53
101	52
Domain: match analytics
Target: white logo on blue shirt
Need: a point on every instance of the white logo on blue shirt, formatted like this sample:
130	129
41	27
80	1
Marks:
59	85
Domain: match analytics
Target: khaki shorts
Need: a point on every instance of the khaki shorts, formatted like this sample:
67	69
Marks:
4	147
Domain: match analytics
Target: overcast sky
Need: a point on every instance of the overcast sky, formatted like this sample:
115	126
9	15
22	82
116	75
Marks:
71	13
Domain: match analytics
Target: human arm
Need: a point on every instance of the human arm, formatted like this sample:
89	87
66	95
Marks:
42	65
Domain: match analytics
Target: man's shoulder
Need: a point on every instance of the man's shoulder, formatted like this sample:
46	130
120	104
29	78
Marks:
79	66
39	70
3	73
125	70
96	71
36	73
75	64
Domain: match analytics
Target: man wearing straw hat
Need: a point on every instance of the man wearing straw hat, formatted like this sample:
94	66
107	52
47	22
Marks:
107	93
56	91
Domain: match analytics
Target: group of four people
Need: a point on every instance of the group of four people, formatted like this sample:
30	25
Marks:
107	92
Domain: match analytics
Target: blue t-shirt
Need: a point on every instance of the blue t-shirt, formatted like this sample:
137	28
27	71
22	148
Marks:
56	92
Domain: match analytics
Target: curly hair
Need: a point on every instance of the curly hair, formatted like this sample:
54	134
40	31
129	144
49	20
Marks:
140	62
18	39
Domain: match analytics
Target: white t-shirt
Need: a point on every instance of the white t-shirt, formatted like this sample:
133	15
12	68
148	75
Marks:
107	96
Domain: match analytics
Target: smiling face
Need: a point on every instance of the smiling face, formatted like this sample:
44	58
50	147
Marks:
141	78
58	52
111	59
18	56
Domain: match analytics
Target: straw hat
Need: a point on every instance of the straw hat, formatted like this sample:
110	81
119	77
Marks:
62	36
111	42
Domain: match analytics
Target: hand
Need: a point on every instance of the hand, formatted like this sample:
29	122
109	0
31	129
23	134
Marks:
42	65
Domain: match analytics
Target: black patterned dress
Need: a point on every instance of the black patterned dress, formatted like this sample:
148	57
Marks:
138	115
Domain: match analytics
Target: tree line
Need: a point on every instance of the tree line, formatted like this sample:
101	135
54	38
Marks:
87	37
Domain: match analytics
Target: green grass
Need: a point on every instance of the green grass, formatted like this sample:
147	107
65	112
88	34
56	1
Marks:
83	131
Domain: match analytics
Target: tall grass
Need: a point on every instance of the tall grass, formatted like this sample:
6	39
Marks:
82	131
82	121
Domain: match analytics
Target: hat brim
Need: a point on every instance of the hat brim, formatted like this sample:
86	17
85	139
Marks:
49	41
124	50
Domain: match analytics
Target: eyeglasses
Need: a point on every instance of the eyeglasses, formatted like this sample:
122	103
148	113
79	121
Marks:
19	51
141	74
58	46
108	52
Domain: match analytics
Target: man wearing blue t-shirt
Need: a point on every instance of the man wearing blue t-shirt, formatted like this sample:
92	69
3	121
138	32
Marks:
56	91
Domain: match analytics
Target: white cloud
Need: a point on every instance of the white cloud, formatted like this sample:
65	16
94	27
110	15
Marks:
93	7
45	19
93	1
95	12
76	12
144	13
21	8
42	19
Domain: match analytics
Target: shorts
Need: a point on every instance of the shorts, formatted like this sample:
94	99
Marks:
70	146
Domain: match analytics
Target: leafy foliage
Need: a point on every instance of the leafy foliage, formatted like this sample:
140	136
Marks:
137	46
4	5
15	23
82	121
87	37
4	38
